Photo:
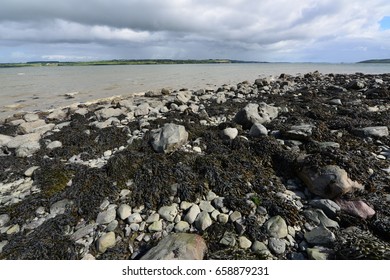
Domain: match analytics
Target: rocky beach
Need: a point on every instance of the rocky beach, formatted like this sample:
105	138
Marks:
285	167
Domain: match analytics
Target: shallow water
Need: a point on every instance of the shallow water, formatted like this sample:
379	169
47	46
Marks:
42	88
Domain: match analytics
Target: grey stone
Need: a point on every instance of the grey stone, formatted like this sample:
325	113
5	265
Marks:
203	221
318	253
182	226
276	245
373	131
142	110
30	171
19	140
124	211
155	226
112	226
210	196
80	233
193	212
184	205
60	206
134	218
108	113
168	213
206	206
183	97
228	239
31	127
276	227
153	218
218	202
105	242
259	247
256	113
58	114
88	257
214	215
235	216
244	243
5	139
152	93
328	182
4	219
300	132
106	217
168	138
223	218
30	117
178	246
229	133
27	149
53	145
320	236
258	130
318	217
2	245
165	91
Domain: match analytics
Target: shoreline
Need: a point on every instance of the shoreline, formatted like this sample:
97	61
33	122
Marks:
291	167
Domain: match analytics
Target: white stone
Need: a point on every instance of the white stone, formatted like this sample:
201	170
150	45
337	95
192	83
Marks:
134	218
192	213
244	242
276	227
54	145
106	241
206	206
223	218
124	211
229	133
5	139
27	149
106	217
30	117
168	213
30	171
155	226
203	221
168	138
4	219
182	226
184	205
153	218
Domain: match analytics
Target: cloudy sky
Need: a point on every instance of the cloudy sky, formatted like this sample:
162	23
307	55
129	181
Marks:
261	30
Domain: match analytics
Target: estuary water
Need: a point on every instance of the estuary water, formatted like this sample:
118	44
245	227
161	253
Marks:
42	88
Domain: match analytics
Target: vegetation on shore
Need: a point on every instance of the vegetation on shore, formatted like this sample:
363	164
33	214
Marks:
122	62
376	61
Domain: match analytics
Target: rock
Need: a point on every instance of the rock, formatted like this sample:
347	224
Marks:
2	245
318	217
30	117
80	233
244	242
276	227
58	114
168	138
256	113
328	182
29	172
229	133
112	226
235	216
142	110
27	149
223	218
178	246
182	226
183	97
155	226
105	242
5	139
184	205
203	221
31	127
4	219
320	236
165	91
299	132
259	247
356	84
318	253
106	217
168	213
228	239
19	140
107	113
329	207
206	206
211	196
124	211
373	131
135	218
218	202
153	218
276	245
53	145
13	229
60	206
152	93
88	257
356	208
258	130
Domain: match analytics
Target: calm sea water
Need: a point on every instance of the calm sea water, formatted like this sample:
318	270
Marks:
42	88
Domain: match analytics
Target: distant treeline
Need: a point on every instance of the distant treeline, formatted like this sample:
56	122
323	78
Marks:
124	62
376	61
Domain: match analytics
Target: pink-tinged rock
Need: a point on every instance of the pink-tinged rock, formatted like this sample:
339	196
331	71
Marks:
356	208
329	181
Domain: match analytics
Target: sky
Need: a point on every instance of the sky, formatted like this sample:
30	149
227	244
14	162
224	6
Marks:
258	30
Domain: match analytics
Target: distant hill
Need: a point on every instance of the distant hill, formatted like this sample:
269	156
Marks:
376	61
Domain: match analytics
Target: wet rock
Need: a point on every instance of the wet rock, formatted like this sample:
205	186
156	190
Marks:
53	145
256	113
169	138
329	207
229	133
258	130
182	226
276	245
356	208
178	246
156	226
106	217
105	242
276	227
373	131
4	219
27	149
244	243
328	182
168	213
203	221
320	236
124	211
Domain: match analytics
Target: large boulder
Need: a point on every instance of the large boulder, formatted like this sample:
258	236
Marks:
356	208
178	246
329	181
168	138
256	113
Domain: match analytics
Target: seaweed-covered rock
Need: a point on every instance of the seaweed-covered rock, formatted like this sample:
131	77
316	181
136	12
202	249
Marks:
329	181
168	138
178	246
